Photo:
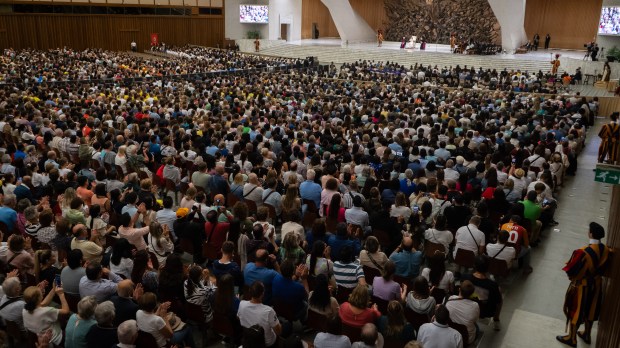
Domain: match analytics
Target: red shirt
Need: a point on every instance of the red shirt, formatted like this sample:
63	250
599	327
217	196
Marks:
369	315
216	235
518	235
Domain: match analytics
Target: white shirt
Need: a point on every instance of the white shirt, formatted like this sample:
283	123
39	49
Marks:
465	312
465	241
42	319
151	323
446	281
508	254
124	267
258	314
439	237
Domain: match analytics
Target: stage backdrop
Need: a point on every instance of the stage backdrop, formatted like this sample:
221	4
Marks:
434	20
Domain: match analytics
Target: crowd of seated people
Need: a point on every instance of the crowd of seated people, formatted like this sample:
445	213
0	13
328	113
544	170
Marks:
137	213
447	76
56	65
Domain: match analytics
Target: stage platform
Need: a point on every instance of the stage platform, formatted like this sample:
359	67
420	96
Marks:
329	50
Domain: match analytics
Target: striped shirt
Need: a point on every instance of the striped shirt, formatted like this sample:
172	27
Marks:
347	274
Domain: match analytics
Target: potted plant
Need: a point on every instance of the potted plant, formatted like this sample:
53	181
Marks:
253	34
613	54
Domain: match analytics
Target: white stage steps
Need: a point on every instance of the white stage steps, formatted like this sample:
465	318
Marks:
338	55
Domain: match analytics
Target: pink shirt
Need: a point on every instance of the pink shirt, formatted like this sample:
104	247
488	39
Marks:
134	236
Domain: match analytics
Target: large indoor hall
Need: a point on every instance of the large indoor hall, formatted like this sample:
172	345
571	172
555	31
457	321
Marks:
309	173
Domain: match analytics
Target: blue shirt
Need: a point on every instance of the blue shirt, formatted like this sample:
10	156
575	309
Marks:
9	217
252	273
407	263
337	242
288	291
407	188
311	190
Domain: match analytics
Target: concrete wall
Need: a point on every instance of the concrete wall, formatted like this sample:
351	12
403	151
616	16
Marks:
351	26
511	17
286	11
608	41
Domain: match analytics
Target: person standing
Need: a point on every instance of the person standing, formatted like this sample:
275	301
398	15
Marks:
256	45
555	64
606	72
452	42
380	37
547	40
536	41
585	269
610	138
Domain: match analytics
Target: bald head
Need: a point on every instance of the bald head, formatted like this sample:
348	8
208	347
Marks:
369	334
125	288
261	256
407	243
79	229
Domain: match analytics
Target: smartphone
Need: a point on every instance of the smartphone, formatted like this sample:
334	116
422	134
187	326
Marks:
545	202
514	160
57	280
415	209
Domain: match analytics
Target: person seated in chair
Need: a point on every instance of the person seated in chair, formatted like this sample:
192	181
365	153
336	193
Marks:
501	250
487	291
464	310
438	334
332	337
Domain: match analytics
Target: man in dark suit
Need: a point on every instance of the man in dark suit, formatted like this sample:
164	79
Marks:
125	305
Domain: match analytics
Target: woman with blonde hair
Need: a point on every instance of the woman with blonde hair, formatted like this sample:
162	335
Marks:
512	196
237	186
400	207
159	241
64	200
121	158
39	317
291	200
355	311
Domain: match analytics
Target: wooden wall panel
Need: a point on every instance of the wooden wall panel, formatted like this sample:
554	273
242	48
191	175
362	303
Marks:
107	31
571	23
313	11
373	11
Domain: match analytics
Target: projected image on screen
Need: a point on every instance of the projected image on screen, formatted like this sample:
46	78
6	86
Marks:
253	14
610	21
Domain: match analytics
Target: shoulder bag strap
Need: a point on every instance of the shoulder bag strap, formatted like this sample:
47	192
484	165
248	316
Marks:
11	300
499	252
373	261
474	238
12	258
252	190
265	200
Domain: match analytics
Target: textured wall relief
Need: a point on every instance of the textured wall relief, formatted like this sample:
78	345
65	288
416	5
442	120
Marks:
434	20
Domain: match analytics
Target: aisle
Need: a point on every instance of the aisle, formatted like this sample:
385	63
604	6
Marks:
532	315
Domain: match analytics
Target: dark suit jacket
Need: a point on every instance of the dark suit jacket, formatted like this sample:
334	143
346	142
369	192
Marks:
125	309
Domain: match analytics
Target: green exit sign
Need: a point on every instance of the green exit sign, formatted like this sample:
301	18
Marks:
607	174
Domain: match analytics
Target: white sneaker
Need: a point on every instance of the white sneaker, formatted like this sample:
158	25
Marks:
496	325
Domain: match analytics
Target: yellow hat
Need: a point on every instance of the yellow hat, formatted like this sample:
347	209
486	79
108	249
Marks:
182	212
